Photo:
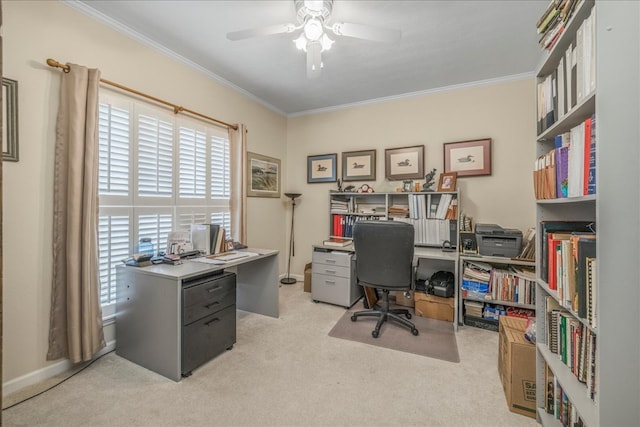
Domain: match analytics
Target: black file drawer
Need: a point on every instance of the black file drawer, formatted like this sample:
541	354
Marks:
204	296
208	337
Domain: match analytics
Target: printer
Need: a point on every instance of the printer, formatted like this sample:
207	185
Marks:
494	240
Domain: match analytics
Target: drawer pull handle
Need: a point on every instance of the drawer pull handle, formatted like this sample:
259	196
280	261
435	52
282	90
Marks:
208	306
211	321
215	288
330	271
331	260
329	282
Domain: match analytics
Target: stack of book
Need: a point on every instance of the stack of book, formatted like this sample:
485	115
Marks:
397	211
552	22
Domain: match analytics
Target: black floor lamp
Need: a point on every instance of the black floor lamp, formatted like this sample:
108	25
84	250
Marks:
292	252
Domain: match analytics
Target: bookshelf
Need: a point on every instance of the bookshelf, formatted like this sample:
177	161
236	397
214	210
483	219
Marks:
615	102
434	215
508	286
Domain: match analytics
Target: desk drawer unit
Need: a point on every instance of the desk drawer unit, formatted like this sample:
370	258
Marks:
333	278
208	319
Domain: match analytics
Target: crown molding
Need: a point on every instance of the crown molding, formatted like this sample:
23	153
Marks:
128	31
452	88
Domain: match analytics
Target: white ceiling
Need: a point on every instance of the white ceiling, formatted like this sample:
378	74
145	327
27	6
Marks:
444	43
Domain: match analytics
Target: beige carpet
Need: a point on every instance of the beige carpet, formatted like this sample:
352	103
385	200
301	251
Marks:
436	338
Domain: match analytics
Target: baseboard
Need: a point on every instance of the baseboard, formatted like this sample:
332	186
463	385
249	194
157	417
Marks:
45	373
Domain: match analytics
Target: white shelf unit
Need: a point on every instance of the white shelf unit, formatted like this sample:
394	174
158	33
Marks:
496	262
351	207
438	259
616	211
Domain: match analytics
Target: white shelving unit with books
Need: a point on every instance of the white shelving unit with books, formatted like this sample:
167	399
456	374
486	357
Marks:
434	215
490	284
589	373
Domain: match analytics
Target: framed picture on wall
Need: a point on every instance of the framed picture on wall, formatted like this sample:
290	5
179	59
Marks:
322	168
10	120
359	165
468	158
404	163
264	176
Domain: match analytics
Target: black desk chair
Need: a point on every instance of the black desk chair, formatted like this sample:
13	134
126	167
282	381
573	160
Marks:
384	257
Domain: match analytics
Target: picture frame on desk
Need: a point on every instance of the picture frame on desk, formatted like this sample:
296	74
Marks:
447	181
404	163
468	158
359	165
322	168
263	178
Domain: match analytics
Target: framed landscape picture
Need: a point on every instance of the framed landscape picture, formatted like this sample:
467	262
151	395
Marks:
322	168
468	158
404	163
10	120
359	165
264	176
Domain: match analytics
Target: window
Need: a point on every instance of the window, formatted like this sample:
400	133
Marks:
158	172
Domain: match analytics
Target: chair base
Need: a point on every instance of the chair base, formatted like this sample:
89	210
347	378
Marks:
384	314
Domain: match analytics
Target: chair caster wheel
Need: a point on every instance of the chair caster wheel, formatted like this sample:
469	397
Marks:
408	315
375	334
415	332
354	317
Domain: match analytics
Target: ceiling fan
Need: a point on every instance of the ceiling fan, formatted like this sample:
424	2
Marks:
313	18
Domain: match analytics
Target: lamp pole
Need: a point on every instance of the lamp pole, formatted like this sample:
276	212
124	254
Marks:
290	280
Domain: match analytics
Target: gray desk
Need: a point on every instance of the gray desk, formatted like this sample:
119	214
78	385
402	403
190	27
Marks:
149	305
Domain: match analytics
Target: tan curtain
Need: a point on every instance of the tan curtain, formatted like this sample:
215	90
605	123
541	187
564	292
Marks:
238	142
75	329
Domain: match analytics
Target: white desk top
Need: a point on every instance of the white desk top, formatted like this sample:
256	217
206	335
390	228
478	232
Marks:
190	267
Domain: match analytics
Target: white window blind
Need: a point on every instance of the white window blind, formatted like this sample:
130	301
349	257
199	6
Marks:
158	173
155	156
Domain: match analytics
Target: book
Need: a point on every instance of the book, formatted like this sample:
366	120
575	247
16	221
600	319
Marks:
591	175
336	241
586	249
547	227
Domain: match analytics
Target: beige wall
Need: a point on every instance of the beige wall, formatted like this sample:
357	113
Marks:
502	111
33	32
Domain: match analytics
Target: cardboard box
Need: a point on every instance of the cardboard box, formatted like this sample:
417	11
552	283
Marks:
517	366
402	299
434	307
307	277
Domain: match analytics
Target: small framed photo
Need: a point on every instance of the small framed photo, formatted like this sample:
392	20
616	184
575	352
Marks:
404	163
322	168
359	165
468	158
263	176
447	181
407	185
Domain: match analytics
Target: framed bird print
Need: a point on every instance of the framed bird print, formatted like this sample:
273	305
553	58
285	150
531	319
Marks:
404	163
322	168
359	165
468	158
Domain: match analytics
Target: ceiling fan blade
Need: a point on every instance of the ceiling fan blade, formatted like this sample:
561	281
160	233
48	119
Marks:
314	60
366	32
261	31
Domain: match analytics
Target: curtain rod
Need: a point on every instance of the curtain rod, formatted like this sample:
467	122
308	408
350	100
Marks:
176	108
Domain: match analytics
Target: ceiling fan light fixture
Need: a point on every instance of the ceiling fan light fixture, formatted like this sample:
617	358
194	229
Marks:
326	42
313	29
301	42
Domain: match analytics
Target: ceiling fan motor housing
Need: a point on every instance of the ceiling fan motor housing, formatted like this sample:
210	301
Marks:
306	9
